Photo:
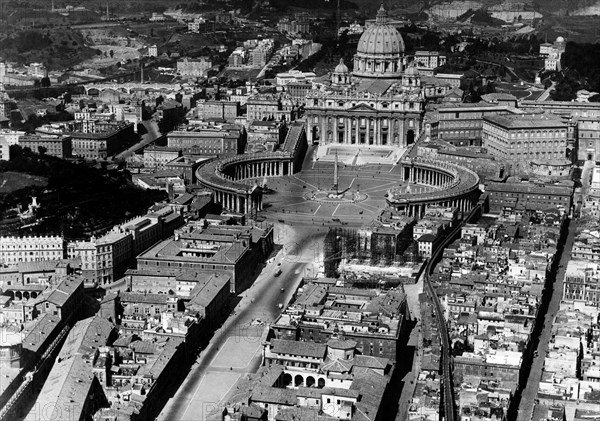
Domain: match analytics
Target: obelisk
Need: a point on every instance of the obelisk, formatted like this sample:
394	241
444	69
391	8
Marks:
335	174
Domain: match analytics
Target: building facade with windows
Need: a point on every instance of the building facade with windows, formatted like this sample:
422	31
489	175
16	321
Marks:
536	137
14	250
53	145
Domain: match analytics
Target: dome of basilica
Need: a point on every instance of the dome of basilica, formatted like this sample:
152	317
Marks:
380	50
381	38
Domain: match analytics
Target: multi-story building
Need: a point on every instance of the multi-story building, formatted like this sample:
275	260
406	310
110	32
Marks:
462	124
209	139
10	137
293	76
528	196
265	136
153	51
266	106
158	156
105	140
106	259
7	105
525	138
230	250
298	91
380	103
552	53
193	67
225	110
4	149
54	145
428	60
585	115
14	250
582	282
194	26
292	26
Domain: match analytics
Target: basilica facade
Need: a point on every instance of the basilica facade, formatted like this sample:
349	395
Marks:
380	103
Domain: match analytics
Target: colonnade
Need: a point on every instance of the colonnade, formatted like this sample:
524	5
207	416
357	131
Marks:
241	203
417	209
260	169
428	177
456	188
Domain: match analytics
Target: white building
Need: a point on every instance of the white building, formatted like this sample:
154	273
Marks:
426	61
553	53
4	150
294	76
153	51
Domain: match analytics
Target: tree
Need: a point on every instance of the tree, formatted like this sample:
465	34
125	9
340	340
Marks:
42	150
112	53
45	82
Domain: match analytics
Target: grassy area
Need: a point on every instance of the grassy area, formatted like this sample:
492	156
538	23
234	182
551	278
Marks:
12	181
57	49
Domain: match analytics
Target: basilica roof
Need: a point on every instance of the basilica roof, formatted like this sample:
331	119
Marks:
381	38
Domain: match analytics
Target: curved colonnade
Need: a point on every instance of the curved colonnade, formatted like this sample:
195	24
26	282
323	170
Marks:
235	180
457	187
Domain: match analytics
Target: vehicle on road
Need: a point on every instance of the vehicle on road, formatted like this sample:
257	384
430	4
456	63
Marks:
535	353
278	272
282	290
280	305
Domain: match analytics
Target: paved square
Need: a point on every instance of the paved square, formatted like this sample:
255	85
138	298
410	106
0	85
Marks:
290	195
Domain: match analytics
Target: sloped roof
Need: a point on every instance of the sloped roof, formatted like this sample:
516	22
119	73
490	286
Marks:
303	349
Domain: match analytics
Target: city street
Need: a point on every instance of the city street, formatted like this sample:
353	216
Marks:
527	404
152	133
235	349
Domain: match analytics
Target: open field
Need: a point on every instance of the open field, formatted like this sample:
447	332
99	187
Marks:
12	181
